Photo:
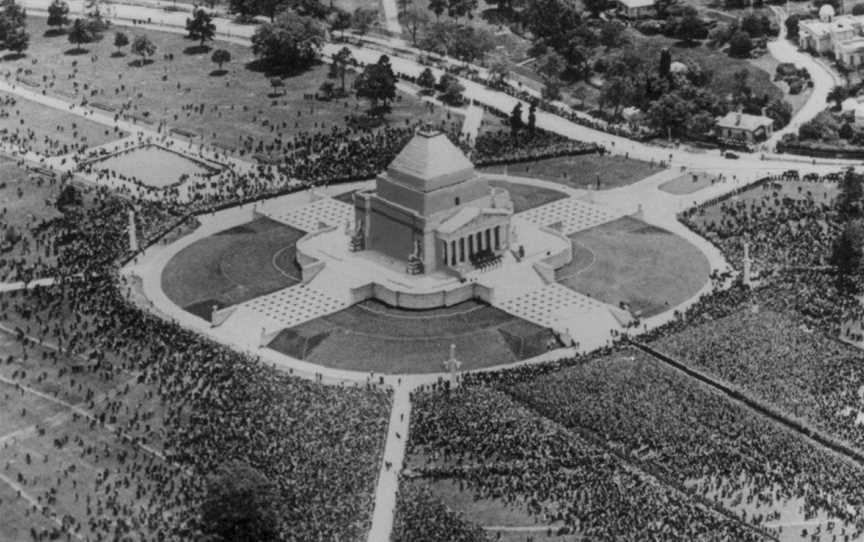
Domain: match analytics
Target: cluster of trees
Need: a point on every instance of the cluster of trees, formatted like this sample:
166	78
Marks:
457	40
272	8
848	253
13	27
678	103
450	89
291	43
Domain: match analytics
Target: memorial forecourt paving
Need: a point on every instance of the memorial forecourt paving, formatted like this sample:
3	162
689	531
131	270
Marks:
258	258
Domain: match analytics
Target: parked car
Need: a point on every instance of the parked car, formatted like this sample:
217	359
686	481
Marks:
731	155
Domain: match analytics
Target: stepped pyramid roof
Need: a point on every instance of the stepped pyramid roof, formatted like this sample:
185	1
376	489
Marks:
430	161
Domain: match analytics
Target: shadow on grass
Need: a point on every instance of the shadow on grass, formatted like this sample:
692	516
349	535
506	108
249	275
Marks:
218	73
118	54
140	62
276	70
197	50
54	32
13	56
682	44
76	51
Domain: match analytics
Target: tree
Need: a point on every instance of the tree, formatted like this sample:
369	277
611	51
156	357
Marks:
755	25
837	94
377	83
403	6
291	43
363	19
452	91
779	111
415	19
426	81
596	6
550	66
240	505
79	34
500	71
700	124
143	47
220	56
850	200
848	256
612	34
532	118
792	26
669	113
858	9
665	62
121	40
461	8
243	8
690	26
615	92
516	119
339	65
58	14
69	195
200	27
740	85
740	45
437	7
13	19
18	40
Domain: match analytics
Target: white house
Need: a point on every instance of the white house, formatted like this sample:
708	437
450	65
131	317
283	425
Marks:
744	128
636	9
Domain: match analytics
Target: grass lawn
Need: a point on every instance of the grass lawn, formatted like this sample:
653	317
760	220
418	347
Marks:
233	266
632	262
687	184
19	517
69	464
47	130
371	336
91	465
26	200
770	195
224	109
582	171
526	196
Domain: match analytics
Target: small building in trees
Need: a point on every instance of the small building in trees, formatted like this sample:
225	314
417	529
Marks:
637	9
741	128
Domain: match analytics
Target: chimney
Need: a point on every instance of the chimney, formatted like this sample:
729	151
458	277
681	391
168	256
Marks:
738	119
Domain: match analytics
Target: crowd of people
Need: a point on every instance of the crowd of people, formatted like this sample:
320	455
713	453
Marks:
495	448
207	405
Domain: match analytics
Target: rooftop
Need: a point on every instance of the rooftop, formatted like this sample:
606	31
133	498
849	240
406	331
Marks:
430	161
633	4
743	121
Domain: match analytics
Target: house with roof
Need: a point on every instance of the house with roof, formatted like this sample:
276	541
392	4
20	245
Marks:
841	36
742	128
432	210
636	9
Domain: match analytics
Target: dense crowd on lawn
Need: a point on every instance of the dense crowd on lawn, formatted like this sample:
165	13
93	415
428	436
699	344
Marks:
319	445
494	448
787	224
675	427
421	517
